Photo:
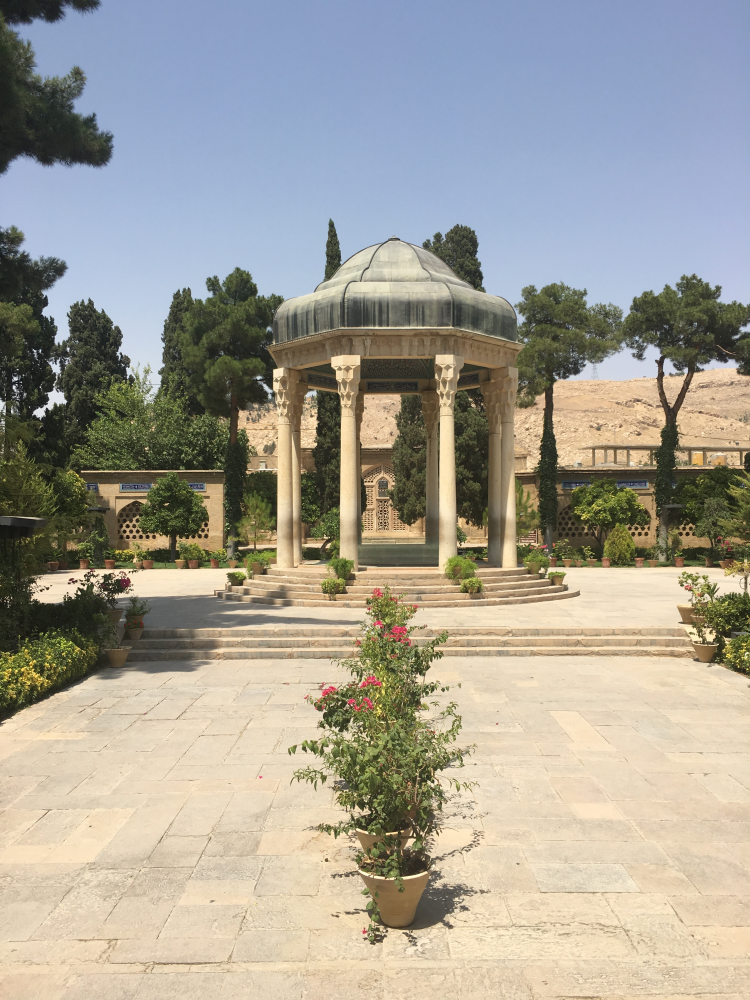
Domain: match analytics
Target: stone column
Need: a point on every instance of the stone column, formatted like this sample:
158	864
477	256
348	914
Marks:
358	413
284	386
508	390
347	368
431	414
297	405
491	391
447	367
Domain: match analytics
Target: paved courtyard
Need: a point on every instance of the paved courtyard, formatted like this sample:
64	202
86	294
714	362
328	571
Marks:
152	846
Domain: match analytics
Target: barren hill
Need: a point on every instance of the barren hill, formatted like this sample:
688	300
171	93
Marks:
716	413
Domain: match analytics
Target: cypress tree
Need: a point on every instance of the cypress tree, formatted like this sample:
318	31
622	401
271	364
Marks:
333	252
547	471
472	452
327	450
409	460
459	248
90	360
175	377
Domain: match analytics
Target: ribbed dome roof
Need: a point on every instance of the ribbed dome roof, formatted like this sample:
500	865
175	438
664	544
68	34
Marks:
394	285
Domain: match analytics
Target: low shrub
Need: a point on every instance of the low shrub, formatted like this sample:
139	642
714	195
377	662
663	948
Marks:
43	664
727	614
236	578
311	553
124	555
341	568
459	568
189	551
620	547
737	654
333	586
219	554
537	558
472	585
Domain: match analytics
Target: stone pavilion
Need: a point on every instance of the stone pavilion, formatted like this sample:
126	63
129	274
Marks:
395	319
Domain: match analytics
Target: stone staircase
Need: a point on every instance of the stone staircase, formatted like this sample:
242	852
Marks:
426	588
337	641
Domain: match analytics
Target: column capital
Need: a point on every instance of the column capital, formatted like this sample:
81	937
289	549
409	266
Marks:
447	368
285	382
491	392
430	412
347	368
298	393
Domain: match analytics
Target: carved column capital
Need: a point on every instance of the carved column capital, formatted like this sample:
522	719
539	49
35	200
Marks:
508	393
447	367
491	391
285	382
430	412
347	368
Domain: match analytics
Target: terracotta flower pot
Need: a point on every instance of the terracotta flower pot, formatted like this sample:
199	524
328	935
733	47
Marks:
397	909
63	565
83	563
606	563
114	615
368	839
697	619
555	579
591	562
709	562
553	560
214	564
567	562
148	563
138	563
579	562
118	656
686	613
53	566
273	560
638	562
257	569
193	563
109	563
232	563
679	561
180	563
653	562
705	651
133	634
724	563
533	568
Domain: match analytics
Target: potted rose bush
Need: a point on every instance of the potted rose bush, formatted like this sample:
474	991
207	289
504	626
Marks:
386	747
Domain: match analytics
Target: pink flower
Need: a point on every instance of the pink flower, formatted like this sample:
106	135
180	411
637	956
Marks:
326	691
378	624
377	592
370	682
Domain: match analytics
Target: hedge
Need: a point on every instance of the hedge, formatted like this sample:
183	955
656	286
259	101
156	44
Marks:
42	665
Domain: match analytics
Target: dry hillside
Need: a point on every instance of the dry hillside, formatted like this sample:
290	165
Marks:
716	413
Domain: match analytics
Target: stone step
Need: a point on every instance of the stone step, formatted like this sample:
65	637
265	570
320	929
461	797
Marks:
148	655
326	632
549	593
294	589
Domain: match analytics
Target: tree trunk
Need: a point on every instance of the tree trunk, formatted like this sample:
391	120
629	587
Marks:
173	546
547	469
234	419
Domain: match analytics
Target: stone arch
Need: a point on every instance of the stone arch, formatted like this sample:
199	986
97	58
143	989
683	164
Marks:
380	514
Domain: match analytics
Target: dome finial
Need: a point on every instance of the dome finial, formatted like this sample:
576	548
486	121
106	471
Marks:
398	238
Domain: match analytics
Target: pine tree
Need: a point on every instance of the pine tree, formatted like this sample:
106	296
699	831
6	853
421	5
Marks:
409	460
175	378
327	450
333	252
90	360
459	248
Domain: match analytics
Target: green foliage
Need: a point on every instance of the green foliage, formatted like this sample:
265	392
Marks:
172	508
225	345
547	470
333	585
620	547
727	614
603	504
175	378
527	516
310	511
37	119
563	549
136	428
330	527
235	469
23	490
90	360
327	450
665	466
472	585
707	501
472	449
460	567
459	248
536	558
236	578
192	551
737	525
256	520
409	460
41	666
333	252
26	11
263	483
341	568
737	654
461	535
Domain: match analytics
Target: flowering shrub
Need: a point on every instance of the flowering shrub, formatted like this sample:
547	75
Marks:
42	665
110	586
737	654
698	587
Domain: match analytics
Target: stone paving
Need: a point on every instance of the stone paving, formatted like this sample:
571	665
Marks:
152	846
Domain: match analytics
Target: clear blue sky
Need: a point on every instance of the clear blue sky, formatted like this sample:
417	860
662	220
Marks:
603	144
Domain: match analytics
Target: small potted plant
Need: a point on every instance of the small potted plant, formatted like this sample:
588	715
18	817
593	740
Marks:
472	586
652	556
693	584
565	551
116	654
53	563
537	562
459	568
726	552
556	577
639	561
85	554
235	579
148	562
135	610
111	586
109	559
707	645
589	555
181	562
216	557
332	586
193	553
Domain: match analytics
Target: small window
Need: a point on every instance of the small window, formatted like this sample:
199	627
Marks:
262	465
383	487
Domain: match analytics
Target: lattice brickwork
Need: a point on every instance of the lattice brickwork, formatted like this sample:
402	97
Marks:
129	526
380	514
